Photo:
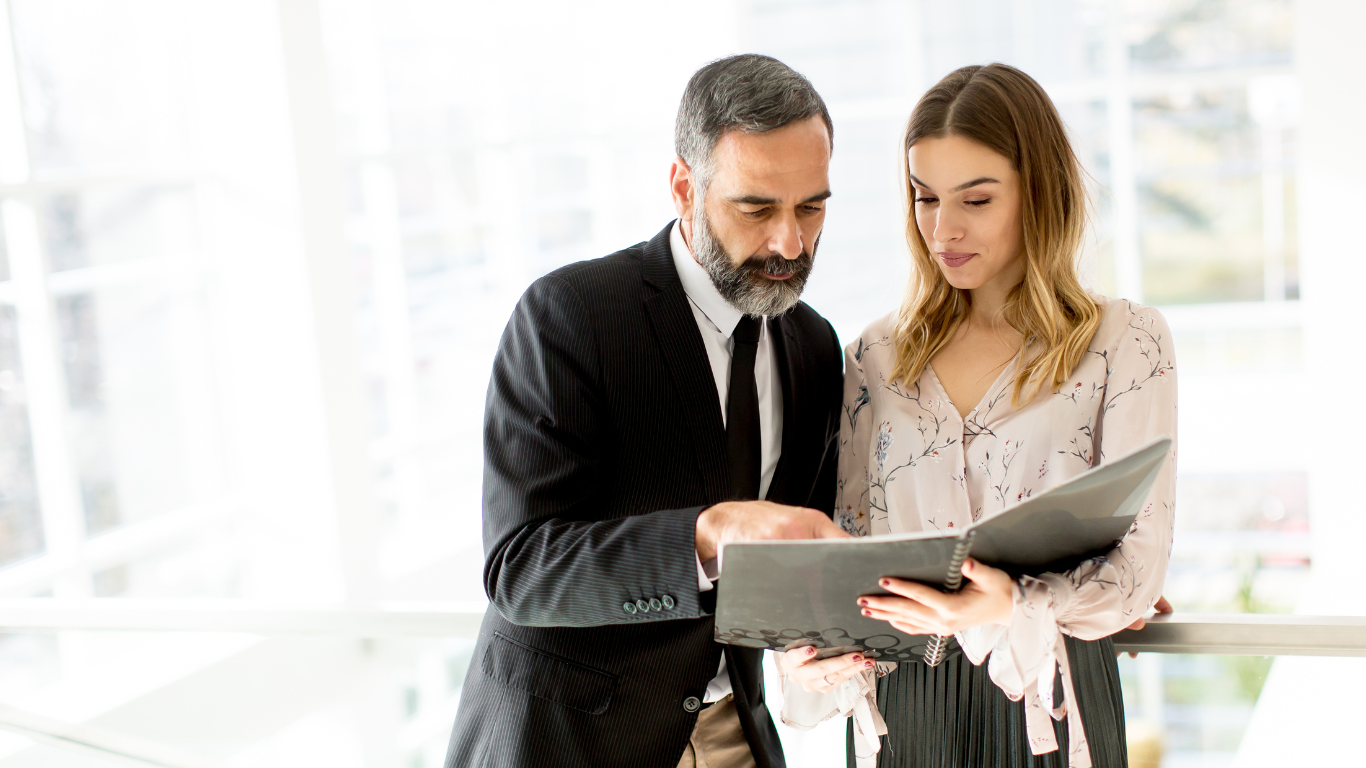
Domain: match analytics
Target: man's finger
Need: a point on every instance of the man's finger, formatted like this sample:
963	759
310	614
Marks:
825	528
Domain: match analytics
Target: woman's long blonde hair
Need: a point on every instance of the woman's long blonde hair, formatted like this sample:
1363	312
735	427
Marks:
1005	110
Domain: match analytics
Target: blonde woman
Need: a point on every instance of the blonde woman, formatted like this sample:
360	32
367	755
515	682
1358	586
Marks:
999	377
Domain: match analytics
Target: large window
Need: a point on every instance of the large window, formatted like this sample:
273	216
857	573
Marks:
256	257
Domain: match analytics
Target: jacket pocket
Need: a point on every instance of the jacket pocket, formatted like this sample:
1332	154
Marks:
546	676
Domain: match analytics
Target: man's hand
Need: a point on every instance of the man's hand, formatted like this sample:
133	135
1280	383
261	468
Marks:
987	597
731	521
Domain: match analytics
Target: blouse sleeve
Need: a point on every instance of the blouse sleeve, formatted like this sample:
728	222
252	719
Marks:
1105	594
805	709
852	486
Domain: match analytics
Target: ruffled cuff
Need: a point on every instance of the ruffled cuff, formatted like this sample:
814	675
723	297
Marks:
1022	659
856	698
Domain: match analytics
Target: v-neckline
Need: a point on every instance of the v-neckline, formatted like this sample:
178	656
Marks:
986	397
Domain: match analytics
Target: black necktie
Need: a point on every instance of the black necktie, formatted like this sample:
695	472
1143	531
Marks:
742	412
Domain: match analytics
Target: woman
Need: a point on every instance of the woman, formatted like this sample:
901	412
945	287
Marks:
999	377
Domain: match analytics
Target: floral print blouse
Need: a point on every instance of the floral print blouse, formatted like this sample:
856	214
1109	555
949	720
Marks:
909	462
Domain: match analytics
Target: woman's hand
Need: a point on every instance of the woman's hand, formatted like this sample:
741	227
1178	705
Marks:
821	675
1161	606
987	597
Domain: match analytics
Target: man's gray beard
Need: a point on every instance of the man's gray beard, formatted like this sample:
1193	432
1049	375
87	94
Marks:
740	285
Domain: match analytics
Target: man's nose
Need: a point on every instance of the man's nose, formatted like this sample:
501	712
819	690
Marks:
786	239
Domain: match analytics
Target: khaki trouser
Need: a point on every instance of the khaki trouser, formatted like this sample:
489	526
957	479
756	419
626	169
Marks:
717	740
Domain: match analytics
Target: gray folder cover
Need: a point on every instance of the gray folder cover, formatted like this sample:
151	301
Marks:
783	594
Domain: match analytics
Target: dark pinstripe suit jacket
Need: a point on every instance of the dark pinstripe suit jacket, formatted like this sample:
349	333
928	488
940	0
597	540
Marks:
603	441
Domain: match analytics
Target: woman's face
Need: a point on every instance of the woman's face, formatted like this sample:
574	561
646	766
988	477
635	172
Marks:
967	207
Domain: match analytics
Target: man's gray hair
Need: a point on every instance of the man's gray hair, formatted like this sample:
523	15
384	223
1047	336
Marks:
749	93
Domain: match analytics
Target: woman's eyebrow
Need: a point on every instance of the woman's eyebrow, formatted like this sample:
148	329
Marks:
975	182
960	187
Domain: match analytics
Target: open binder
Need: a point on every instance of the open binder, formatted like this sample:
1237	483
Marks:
786	594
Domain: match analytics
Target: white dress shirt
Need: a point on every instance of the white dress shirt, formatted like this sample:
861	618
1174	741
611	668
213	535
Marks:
716	319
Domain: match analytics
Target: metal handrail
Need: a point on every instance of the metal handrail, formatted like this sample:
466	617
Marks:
1248	635
1198	633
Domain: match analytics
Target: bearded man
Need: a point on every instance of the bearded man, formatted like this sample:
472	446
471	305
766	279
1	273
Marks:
645	409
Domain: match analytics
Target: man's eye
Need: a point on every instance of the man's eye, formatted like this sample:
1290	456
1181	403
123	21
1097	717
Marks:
811	208
755	214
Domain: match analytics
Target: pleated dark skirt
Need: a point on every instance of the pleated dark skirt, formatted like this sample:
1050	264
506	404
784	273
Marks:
953	716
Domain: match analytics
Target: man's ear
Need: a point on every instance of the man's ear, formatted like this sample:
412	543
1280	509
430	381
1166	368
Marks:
682	189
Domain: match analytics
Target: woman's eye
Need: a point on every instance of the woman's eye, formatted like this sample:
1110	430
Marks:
978	202
927	200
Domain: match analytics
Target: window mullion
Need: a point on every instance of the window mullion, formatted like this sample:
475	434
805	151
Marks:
45	387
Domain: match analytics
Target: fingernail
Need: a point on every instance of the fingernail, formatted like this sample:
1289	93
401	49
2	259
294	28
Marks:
810	650
867	664
858	658
886	582
863	602
867	612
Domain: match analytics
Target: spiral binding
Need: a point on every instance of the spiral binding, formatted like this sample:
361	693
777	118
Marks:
934	651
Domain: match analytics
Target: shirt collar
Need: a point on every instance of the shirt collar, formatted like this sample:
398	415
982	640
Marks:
699	287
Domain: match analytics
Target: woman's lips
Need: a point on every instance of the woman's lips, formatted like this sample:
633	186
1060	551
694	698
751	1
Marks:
955	258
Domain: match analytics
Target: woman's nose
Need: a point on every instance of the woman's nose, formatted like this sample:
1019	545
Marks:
947	228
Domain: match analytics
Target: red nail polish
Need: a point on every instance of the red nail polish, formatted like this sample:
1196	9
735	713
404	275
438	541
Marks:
810	650
867	612
863	602
867	664
886	582
858	658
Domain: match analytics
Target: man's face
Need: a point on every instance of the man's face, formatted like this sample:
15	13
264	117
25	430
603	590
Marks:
760	220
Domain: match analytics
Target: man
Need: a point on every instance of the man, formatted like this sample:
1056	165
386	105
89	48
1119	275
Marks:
640	406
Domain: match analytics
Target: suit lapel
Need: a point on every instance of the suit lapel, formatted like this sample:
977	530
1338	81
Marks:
680	342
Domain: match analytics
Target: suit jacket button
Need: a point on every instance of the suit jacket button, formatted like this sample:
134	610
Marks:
668	603
655	605
692	704
628	607
643	606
